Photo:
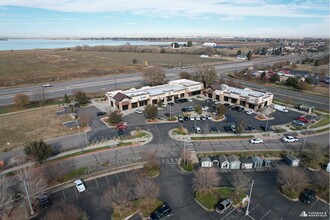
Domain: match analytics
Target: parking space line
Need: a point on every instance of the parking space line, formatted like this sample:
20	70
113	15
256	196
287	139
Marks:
64	194
266	214
97	183
106	177
75	190
228	214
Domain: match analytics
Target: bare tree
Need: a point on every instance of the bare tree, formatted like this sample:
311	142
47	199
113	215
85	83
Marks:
146	188
239	127
116	196
240	181
154	75
6	196
21	99
184	75
69	211
150	158
205	179
33	183
291	178
322	178
221	109
185	155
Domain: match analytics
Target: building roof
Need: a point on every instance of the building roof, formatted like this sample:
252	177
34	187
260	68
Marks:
243	92
215	86
246	160
152	91
205	159
119	97
257	160
223	158
184	82
291	157
233	158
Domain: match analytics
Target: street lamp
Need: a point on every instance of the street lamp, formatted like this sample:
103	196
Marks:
305	139
247	209
27	195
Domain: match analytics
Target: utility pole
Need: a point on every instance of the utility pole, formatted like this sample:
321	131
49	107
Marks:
27	195
247	210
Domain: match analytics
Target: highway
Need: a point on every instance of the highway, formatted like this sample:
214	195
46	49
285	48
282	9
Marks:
108	83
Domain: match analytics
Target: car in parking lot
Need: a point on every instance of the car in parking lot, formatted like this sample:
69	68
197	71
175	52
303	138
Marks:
240	109
121	126
198	118
180	118
186	118
307	196
205	108
184	109
79	185
209	117
197	130
167	114
171	103
192	118
256	141
249	112
138	111
161	213
250	128
190	100
297	122
47	85
203	118
190	109
223	205
227	105
233	128
303	119
214	130
289	139
100	113
227	128
44	201
121	133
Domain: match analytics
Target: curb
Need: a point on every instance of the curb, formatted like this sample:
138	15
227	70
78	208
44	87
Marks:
179	161
203	207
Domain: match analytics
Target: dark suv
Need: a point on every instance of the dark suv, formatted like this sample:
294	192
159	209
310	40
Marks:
307	196
44	201
100	113
161	213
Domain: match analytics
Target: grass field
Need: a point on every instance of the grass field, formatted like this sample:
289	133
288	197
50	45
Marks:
20	128
38	66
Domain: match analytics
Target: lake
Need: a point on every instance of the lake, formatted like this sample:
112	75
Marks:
29	44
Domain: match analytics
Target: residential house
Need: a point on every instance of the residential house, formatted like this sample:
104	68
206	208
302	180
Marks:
257	162
246	163
215	161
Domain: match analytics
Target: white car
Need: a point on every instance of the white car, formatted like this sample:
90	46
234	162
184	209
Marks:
205	108
79	185
198	118
47	85
249	112
189	100
192	118
289	139
256	141
139	111
209	117
164	105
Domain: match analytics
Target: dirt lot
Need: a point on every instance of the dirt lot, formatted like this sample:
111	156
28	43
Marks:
20	128
37	66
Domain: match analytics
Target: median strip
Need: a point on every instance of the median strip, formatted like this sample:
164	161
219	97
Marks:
221	137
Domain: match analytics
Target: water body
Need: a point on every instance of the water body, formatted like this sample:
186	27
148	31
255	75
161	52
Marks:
30	44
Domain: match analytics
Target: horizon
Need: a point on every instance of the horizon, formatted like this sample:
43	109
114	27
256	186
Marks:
291	19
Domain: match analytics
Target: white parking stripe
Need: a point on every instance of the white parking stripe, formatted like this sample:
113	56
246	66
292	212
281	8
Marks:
265	214
228	214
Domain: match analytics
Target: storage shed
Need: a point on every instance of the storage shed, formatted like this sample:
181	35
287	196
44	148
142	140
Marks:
215	161
206	162
234	162
224	163
257	162
246	163
291	160
266	162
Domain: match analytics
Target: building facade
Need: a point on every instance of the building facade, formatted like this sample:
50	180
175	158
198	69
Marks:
135	98
246	98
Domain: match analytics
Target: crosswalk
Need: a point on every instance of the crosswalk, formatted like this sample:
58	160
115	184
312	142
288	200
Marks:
168	161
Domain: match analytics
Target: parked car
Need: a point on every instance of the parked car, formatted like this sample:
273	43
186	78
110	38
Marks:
249	112
184	100
180	118
100	113
227	128
240	109
167	114
184	109
289	139
161	213
227	105
303	119
44	201
209	117
164	105
186	118
297	122
250	128
192	118
121	126
198	118
121	133
256	141
223	205
205	108
138	111
203	118
233	128
307	196
190	100
214	130
197	130
47	85
79	185
171	103
160	108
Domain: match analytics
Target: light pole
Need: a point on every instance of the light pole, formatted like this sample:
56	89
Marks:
27	195
305	139
247	209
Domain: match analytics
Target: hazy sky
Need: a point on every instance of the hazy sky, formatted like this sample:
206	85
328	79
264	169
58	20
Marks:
99	18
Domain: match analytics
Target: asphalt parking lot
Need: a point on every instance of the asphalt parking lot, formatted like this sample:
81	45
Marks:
176	189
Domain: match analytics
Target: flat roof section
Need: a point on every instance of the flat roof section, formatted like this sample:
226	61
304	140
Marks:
243	92
152	91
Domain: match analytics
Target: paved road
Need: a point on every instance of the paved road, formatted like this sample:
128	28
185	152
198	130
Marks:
103	84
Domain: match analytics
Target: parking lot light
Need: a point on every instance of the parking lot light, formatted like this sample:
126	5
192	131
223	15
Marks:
248	206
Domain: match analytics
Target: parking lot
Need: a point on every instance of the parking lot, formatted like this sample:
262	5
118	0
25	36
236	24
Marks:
176	190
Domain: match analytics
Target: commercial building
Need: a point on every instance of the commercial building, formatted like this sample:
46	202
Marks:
244	97
135	98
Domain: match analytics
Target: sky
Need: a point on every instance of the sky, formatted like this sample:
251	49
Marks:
160	18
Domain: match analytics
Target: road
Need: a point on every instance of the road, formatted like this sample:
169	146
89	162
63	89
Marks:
108	83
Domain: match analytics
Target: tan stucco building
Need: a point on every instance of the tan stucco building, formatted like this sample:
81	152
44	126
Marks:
135	98
244	97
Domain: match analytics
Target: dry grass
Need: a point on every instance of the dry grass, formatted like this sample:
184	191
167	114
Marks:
37	66
20	128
